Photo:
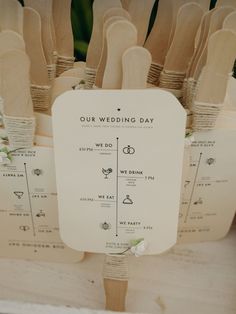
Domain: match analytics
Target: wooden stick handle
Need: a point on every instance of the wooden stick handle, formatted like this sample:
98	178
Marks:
115	282
115	291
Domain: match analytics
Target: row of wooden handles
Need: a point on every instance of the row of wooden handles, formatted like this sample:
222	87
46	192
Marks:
36	44
188	46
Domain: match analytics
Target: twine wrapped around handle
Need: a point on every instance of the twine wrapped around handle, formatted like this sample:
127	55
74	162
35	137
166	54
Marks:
154	73
115	274
51	68
20	131
40	97
63	64
189	92
172	82
205	115
90	76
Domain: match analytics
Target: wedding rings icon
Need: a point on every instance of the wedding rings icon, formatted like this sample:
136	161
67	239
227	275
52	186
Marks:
128	150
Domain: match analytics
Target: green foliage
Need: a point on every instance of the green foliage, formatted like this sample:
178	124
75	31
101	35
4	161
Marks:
213	3
153	15
82	21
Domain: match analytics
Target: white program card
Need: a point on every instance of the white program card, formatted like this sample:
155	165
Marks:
118	166
209	195
28	209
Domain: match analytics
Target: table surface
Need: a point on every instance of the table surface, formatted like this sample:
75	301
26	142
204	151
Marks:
190	278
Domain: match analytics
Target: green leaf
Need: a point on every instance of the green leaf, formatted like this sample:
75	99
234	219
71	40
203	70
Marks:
81	48
136	242
4	150
188	134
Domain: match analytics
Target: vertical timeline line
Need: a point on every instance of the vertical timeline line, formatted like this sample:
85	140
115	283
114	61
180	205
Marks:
117	184
30	204
194	183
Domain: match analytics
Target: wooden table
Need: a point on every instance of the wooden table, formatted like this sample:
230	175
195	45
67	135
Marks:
197	279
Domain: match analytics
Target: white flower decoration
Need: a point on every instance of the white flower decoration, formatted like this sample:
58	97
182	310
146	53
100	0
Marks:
4	159
139	249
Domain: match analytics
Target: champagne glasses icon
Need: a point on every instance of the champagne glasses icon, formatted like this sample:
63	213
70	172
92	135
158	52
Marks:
19	194
106	172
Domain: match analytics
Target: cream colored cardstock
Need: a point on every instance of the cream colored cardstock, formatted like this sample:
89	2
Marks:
28	209
43	141
118	164
209	198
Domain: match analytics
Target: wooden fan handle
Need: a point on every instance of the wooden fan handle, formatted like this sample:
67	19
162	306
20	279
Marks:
115	282
115	291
